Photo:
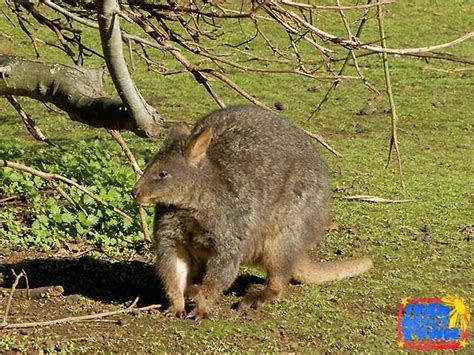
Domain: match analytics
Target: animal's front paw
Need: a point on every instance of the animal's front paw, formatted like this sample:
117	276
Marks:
250	302
175	311
199	312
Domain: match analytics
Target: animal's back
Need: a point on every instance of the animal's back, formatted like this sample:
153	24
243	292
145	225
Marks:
269	165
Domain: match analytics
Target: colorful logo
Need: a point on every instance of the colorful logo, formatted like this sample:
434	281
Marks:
433	323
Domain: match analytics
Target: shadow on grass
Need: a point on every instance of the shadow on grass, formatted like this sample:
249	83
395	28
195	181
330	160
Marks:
102	280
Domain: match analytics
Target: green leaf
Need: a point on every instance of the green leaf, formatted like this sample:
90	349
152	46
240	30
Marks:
87	200
93	220
43	219
67	217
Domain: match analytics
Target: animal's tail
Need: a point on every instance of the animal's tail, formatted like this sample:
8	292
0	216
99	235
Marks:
307	271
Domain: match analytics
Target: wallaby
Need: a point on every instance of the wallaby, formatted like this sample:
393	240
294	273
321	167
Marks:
245	186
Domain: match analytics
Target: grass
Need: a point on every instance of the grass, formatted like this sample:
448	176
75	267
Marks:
419	248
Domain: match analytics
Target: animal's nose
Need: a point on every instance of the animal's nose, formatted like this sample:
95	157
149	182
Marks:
135	192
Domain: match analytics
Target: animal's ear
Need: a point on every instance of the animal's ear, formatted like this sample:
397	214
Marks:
198	145
179	131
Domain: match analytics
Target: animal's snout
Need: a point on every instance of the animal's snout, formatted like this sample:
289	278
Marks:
135	192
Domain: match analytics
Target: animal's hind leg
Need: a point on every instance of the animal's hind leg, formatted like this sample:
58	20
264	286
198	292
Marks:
278	263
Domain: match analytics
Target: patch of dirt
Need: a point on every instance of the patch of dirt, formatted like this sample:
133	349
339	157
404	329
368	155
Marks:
91	286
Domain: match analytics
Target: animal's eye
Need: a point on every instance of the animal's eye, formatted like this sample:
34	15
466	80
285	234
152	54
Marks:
161	174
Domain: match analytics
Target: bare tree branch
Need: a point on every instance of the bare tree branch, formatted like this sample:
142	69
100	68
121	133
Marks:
343	67
145	116
138	172
348	43
28	121
394	137
76	90
337	7
92	24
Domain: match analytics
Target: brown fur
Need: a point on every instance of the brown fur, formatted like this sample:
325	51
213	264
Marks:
244	187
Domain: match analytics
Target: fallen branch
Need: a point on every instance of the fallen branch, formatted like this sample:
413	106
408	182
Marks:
53	176
377	199
38	292
85	318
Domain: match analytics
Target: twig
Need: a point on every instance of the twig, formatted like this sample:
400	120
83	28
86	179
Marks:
9	198
432	55
21	22
138	172
393	112
409	51
234	86
8	37
54	26
128	153
343	67
163	38
92	24
27	281
84	318
53	176
281	19
369	198
354	44
9	19
323	143
28	121
66	196
144	224
336	8
277	71
9	302
352	53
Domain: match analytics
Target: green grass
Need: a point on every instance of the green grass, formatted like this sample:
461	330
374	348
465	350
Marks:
418	248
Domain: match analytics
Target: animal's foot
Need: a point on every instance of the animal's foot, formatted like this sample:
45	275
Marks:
250	302
199	313
175	311
258	299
